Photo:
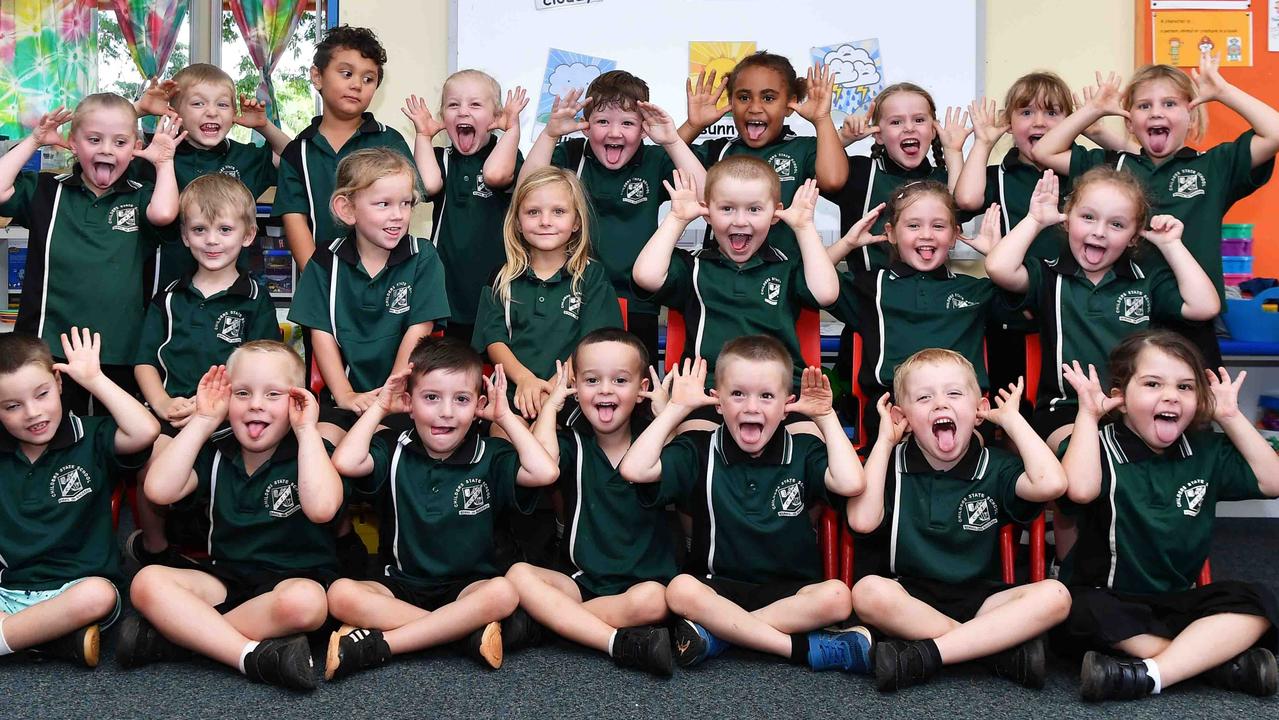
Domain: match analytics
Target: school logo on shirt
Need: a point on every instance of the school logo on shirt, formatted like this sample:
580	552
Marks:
955	301
788	498
771	291
978	512
571	305
124	218
230	327
230	171
281	498
397	298
1133	307
785	166
481	190
1187	183
635	191
69	484
1190	497
471	497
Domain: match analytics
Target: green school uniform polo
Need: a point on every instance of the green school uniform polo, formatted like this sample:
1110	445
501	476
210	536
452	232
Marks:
1084	322
309	167
1011	183
722	300
85	259
612	540
544	319
55	513
1150	528
438	516
185	333
1197	188
368	316
257	521
467	218
794	157
750	514
624	205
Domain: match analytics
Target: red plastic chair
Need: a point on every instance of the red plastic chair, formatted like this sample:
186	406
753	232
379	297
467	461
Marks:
621	303
1008	550
835	541
1205	573
808	327
1033	359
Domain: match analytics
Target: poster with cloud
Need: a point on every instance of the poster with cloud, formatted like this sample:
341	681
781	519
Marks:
721	58
564	71
857	69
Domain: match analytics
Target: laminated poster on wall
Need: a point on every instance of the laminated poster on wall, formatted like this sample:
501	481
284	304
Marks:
720	57
565	71
857	71
1180	36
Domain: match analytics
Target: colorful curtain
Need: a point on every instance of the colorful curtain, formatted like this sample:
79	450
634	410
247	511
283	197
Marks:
267	26
48	58
150	28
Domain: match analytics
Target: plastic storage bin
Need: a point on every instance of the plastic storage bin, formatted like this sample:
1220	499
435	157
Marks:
1235	278
1250	321
1242	231
1236	246
1237	264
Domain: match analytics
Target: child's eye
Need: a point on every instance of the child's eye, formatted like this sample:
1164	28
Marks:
453	103
768	396
737	393
1117	225
242	393
755	208
1025	112
1053	113
560	211
430	397
1185	387
197	228
10	407
592	381
770	97
226	229
42	393
621	381
346	73
462	399
894	121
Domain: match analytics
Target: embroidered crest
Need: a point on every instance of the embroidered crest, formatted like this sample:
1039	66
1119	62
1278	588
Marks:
397	298
281	498
1133	307
69	484
124	218
788	498
571	305
1190	497
955	301
230	327
635	191
471	497
978	512
771	291
785	166
1187	183
229	170
481	190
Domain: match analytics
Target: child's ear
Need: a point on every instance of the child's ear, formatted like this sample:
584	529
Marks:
1117	393
644	385
343	209
790	398
775	218
137	145
983	406
249	236
888	232
896	413
315	77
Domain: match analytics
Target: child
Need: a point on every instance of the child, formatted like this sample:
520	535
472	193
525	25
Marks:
549	294
753	575
468	183
58	584
370	296
610	594
195	322
621	175
744	284
441	486
272	493
347	71
91	230
1092	297
937	499
1163	107
1143	495
763	91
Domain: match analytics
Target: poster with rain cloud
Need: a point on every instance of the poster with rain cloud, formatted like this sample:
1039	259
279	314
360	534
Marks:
857	70
564	71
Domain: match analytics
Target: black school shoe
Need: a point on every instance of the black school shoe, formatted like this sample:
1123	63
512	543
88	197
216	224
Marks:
140	643
1253	671
169	556
485	645
520	631
1024	664
79	646
1102	677
900	664
285	662
352	649
646	648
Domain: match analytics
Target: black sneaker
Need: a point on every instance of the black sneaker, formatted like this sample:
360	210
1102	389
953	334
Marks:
140	643
285	662
1024	664
485	645
646	648
79	646
352	649
694	644
1102	677
520	631
1254	672
900	664
169	556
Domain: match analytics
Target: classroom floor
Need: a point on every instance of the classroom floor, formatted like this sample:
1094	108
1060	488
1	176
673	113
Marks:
562	681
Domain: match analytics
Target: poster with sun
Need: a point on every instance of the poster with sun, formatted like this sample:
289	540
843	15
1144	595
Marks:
565	71
721	58
857	70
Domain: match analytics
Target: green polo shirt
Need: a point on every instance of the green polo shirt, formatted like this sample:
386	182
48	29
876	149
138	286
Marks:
1198	188
624	205
309	167
1150	528
467	218
545	319
439	516
750	514
1082	321
722	300
612	540
872	181
85	259
368	316
55	513
186	333
257	521
1011	183
794	157
944	524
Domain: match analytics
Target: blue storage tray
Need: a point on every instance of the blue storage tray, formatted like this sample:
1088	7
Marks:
1247	321
1236	264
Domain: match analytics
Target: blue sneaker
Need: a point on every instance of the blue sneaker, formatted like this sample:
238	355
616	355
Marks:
693	643
847	650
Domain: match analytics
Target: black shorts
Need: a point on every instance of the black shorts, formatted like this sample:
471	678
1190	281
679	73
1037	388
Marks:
753	596
345	419
242	585
1100	618
957	602
1048	419
432	596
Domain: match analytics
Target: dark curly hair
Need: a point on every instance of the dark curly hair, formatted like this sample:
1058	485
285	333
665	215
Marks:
345	37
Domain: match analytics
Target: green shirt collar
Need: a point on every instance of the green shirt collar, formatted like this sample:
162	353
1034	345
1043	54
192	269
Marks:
70	431
287	449
75	179
1128	447
640	419
242	286
922	171
766	254
369	125
347	250
635	160
1125	267
969	467
469	452
776	452
559	276
899	269
221	149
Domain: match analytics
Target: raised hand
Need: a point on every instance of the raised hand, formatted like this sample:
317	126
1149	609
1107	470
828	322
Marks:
393	396
213	395
46	130
529	396
424	123
858	127
563	120
815	397
1043	202
252	113
859	234
703	99
820	87
892	423
1225	393
562	387
1105	96
304	410
986	238
82	350
156	96
803	205
1007	404
1093	401
954	131
683	193
496	409
688	389
658	124
516	101
1164	230
1209	84
168	133
659	392
359	402
179	408
988	123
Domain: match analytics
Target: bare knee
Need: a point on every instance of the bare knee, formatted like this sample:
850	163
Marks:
147	588
498	596
834	600
299	604
1053	600
874	598
686	595
647	603
343	597
522	573
95	599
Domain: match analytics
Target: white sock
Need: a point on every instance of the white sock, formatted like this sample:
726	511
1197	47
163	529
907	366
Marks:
248	648
611	638
1153	671
6	650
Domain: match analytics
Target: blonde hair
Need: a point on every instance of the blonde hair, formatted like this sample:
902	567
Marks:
757	349
1043	88
201	74
1179	80
297	372
931	356
743	168
578	249
359	170
103	101
209	196
478	75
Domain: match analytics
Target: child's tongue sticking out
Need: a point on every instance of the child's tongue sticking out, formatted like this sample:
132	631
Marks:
1158	138
1166	428
750	432
755	129
944	432
255	429
613	153
465	138
100	173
